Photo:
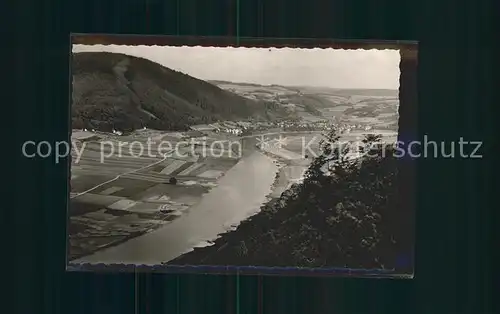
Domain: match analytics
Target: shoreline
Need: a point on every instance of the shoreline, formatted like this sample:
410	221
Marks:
72	257
200	254
132	235
269	201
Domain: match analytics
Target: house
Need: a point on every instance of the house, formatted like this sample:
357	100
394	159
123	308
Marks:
235	131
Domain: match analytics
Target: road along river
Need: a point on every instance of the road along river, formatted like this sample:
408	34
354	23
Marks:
239	195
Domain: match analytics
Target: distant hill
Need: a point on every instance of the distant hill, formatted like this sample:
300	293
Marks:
346	92
264	86
219	82
368	92
118	91
319	89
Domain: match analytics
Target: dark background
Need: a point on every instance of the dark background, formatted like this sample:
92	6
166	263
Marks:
453	262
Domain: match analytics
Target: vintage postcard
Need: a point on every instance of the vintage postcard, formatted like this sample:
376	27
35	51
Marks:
218	154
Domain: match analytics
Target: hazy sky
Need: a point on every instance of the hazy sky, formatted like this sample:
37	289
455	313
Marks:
287	66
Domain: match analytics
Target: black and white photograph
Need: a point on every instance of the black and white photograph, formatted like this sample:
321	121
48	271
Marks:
236	156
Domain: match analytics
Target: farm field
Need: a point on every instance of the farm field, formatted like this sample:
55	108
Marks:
120	190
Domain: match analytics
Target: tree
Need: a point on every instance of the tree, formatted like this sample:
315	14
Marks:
371	140
350	207
172	180
347	217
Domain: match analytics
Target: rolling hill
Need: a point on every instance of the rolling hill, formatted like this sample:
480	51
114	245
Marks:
117	91
376	107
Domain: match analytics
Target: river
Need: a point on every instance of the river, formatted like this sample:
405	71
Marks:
239	195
